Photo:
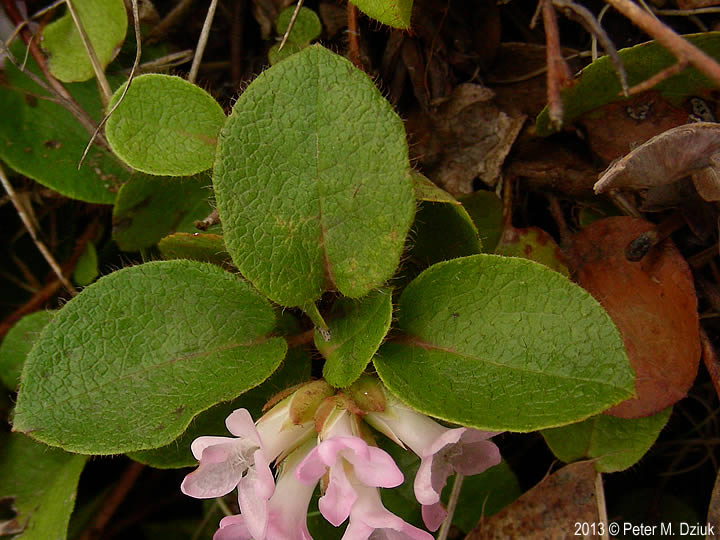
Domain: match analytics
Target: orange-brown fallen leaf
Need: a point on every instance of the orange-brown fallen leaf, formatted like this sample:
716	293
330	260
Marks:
549	510
652	302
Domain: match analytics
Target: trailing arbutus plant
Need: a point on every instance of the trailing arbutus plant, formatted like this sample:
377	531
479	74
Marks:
309	325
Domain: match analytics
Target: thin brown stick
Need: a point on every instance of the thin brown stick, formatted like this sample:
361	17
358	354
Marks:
236	42
105	91
353	34
42	296
583	16
171	19
557	214
65	99
202	41
558	74
113	501
683	50
601	506
34	304
33	234
294	17
138	52
658	77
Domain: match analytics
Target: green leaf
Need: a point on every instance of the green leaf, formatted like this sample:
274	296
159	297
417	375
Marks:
105	23
306	28
501	343
599	84
150	207
483	495
127	363
443	228
311	181
196	246
485	209
357	327
43	141
41	482
17	344
443	231
614	443
275	54
86	269
165	126
294	370
395	13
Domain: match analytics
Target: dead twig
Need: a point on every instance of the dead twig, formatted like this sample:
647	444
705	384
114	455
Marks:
658	77
138	53
583	16
171	19
353	34
33	234
294	17
105	91
683	50
56	88
212	219
558	72
42	296
202	41
113	501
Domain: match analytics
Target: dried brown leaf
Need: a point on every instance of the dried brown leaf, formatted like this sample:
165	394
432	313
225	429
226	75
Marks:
665	158
548	510
653	304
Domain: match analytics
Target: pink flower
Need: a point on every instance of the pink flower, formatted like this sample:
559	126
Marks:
244	461
442	451
287	508
355	471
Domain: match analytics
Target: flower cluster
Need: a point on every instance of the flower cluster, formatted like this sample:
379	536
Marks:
315	436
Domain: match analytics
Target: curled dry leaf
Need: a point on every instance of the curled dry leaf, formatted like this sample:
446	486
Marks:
468	137
566	496
653	303
665	158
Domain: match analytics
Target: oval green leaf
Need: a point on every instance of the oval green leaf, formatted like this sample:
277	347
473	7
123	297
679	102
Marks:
165	126
150	207
86	269
40	139
197	247
613	443
105	23
501	343
599	84
395	13
312	181
16	345
357	327
127	363
295	369
41	483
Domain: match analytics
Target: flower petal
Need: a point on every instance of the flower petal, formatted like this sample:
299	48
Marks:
215	477
201	443
377	470
433	515
254	490
232	528
336	504
312	468
368	513
241	424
